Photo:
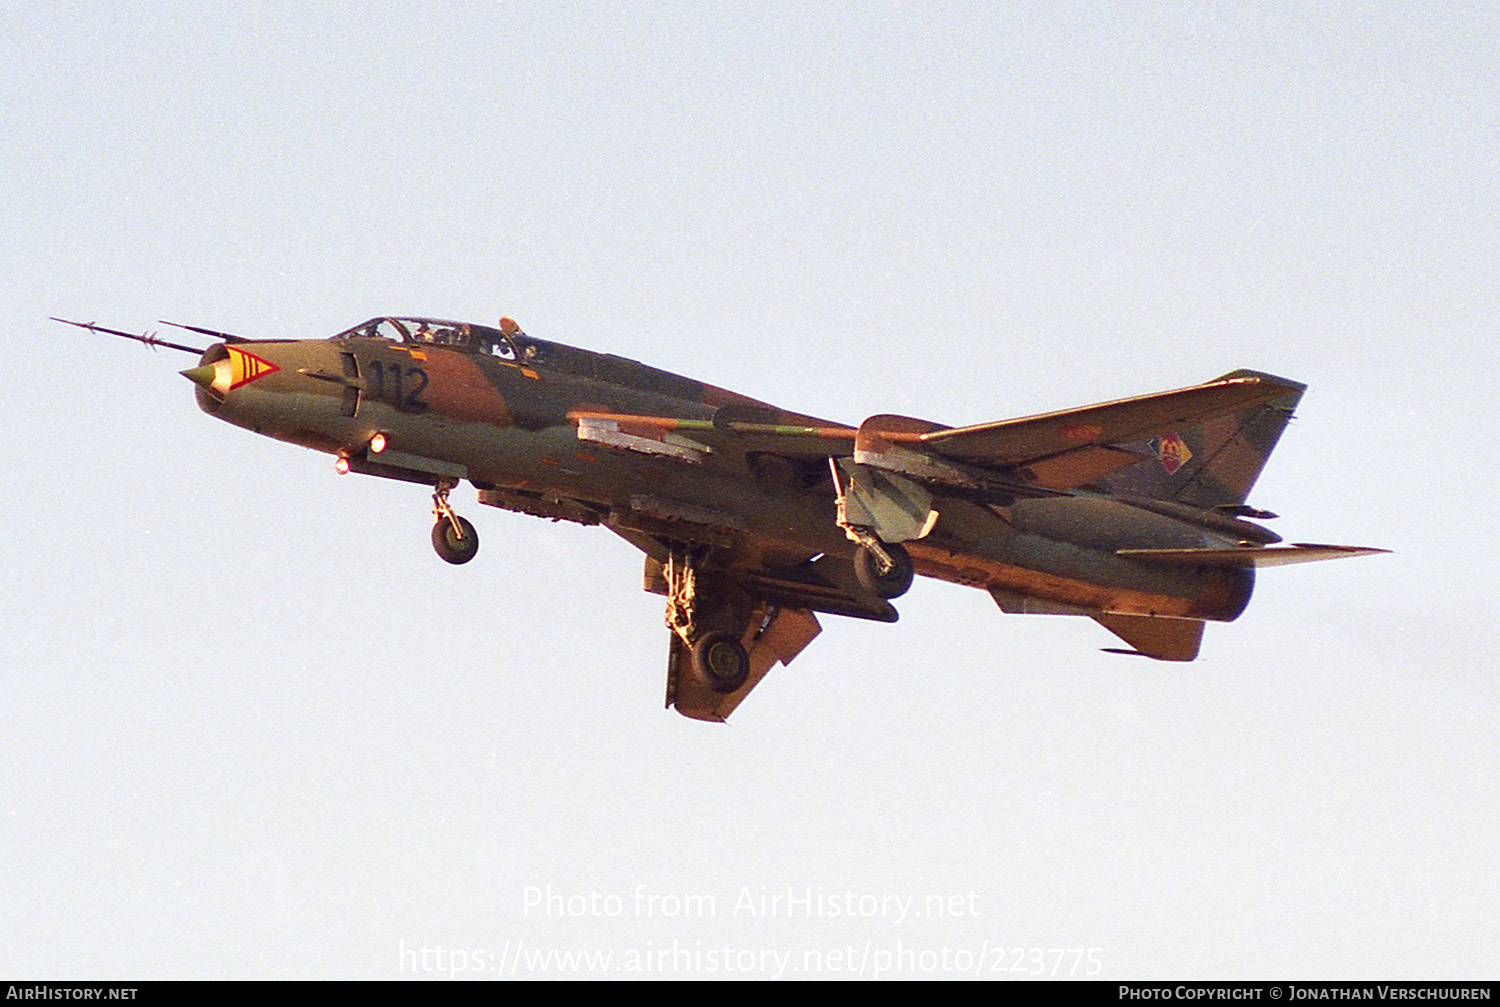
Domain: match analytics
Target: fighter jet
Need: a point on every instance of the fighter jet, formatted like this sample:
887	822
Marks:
755	520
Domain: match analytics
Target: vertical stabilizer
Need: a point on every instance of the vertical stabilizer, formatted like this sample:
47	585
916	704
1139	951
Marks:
1213	463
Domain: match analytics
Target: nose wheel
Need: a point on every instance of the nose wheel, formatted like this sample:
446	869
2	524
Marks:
453	537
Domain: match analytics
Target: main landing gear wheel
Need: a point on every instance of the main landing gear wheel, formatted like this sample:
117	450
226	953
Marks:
722	662
455	546
892	582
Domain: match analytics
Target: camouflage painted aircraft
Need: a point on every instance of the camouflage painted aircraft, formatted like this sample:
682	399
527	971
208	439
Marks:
753	519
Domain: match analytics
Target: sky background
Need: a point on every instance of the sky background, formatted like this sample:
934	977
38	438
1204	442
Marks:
255	728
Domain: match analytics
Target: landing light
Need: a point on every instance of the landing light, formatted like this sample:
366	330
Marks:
377	444
341	466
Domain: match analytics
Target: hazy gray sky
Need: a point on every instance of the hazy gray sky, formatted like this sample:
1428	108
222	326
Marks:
255	728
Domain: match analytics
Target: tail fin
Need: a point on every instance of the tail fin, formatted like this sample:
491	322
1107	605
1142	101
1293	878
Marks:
1216	462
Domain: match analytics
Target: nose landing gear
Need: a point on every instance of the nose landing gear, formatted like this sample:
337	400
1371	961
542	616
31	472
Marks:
453	537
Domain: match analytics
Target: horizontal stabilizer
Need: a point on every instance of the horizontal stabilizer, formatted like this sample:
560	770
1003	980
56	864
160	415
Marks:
1163	639
1247	556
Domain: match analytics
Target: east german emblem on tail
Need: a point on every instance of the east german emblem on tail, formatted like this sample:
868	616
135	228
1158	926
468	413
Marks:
1172	452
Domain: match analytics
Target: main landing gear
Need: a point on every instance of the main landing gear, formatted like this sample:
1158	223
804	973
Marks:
883	568
453	537
711	617
722	661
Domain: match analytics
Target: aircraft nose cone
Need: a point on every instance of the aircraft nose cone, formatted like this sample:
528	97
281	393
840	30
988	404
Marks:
201	376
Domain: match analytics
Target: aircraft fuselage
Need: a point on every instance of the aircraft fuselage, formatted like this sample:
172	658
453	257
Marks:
508	424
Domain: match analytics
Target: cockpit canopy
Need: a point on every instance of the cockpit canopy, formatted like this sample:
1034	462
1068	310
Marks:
437	332
510	344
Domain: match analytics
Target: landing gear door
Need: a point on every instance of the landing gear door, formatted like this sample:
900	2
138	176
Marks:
896	508
786	631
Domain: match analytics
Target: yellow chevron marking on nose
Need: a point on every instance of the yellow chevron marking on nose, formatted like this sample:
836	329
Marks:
247	367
